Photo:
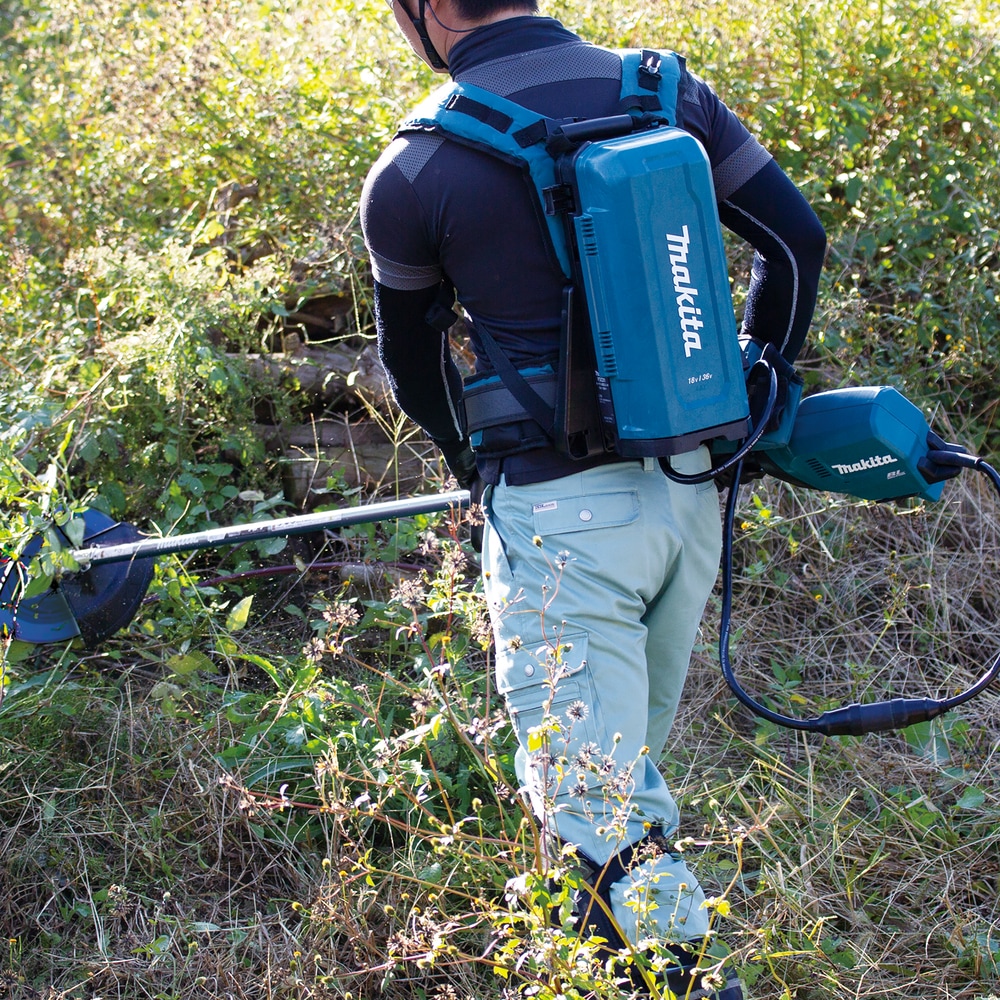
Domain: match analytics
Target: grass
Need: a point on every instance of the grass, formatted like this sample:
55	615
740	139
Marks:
349	827
302	786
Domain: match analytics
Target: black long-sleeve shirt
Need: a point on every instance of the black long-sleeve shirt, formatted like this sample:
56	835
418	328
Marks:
437	213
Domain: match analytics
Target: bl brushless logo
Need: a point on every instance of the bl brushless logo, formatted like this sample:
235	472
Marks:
875	462
684	291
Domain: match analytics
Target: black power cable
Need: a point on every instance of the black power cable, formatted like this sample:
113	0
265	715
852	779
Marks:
854	719
735	460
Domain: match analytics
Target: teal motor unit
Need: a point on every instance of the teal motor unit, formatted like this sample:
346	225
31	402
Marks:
649	251
868	442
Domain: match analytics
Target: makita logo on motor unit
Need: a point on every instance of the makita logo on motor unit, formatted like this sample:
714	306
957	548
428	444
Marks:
685	292
875	462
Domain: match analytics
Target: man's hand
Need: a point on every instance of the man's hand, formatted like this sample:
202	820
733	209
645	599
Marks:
476	515
461	460
758	385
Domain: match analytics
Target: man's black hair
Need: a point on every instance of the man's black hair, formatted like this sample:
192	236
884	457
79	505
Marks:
471	10
478	10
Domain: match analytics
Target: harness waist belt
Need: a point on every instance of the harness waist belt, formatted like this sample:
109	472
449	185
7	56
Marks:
490	403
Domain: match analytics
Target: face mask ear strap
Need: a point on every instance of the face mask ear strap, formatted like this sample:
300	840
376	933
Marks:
420	24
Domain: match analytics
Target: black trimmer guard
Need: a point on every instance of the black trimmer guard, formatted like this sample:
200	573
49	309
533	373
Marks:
91	604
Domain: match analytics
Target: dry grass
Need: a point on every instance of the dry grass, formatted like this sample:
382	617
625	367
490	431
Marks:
130	871
887	844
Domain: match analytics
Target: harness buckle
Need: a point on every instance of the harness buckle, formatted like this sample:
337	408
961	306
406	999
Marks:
559	199
649	69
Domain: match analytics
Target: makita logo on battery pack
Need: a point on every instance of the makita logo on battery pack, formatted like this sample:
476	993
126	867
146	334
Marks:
684	291
875	462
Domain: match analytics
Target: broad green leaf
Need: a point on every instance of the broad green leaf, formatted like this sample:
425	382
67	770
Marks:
972	798
237	617
188	663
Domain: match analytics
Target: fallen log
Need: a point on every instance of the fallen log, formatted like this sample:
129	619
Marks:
337	455
327	374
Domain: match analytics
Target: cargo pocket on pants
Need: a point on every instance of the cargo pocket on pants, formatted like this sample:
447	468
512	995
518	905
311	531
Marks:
551	699
586	512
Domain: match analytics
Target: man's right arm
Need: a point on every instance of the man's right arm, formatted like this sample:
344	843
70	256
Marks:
760	203
771	214
412	343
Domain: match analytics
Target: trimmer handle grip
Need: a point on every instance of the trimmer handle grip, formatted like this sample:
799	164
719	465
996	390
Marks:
944	461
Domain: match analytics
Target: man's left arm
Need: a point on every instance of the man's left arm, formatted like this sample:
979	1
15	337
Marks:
425	382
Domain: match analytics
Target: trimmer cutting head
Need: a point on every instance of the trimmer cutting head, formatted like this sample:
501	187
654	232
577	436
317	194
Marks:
116	566
91	604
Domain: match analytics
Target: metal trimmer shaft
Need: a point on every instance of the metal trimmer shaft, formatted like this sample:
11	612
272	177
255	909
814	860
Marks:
301	524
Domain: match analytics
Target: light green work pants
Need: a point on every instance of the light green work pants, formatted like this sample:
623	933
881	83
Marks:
596	584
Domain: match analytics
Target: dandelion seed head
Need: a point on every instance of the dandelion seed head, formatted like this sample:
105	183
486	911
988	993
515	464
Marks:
454	562
341	613
314	649
619	784
429	543
409	593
